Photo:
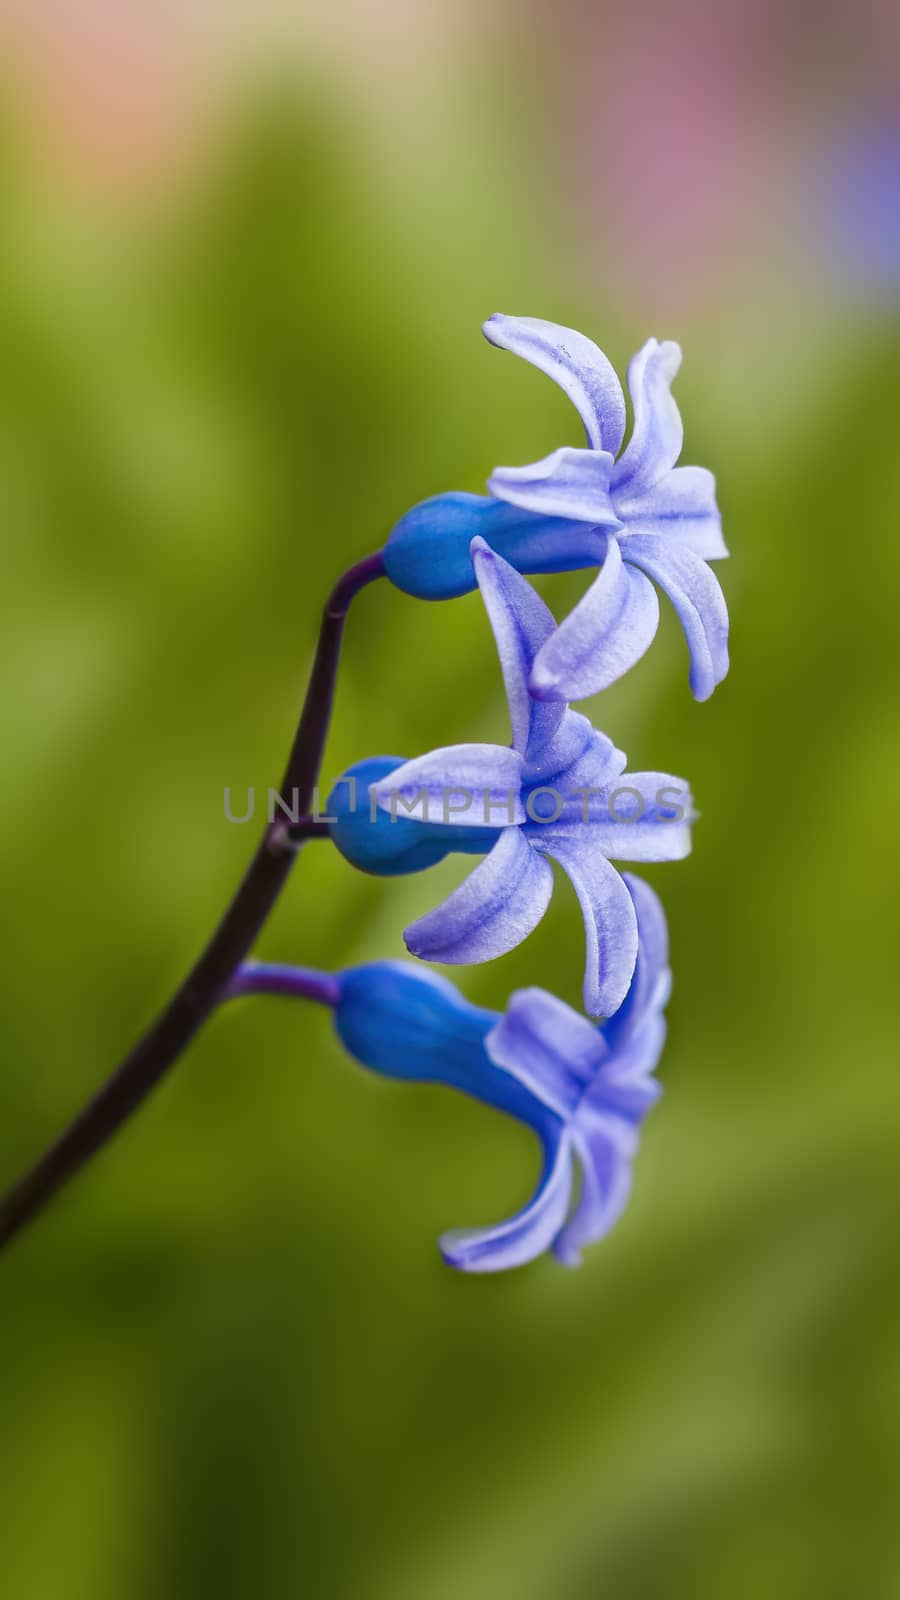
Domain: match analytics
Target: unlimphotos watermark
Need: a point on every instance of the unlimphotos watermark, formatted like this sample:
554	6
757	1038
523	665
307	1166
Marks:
544	805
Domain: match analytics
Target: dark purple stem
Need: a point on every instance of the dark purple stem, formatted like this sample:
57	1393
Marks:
275	977
235	936
305	828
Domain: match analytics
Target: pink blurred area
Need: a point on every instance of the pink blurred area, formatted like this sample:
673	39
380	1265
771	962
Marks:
697	138
110	95
688	149
122	98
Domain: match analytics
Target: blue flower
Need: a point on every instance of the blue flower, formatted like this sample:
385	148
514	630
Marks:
584	1090
559	792
638	517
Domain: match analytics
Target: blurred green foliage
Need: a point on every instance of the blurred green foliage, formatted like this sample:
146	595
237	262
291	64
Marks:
232	1362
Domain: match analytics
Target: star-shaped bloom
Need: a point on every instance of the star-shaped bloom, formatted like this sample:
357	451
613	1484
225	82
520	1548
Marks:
635	514
584	1090
597	1086
559	792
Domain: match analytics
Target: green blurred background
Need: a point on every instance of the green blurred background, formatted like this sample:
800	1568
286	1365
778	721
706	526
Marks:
239	315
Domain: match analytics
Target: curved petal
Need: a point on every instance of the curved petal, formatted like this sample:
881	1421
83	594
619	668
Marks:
626	1088
605	634
652	981
526	1235
653	929
569	483
521	624
698	599
460	785
657	435
576	364
591	757
605	1187
645	816
681	507
548	1047
492	911
610	924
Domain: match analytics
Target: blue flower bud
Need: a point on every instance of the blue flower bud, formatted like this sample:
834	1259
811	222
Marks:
427	554
406	1022
391	844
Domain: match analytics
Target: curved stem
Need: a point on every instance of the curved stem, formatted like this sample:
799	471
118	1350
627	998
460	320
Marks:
291	835
276	977
234	937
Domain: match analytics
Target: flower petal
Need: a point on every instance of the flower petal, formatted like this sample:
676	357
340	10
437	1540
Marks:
610	923
605	1187
577	754
569	483
697	597
576	364
460	785
682	507
644	816
521	624
591	758
526	1235
605	634
652	981
626	1088
657	435
492	911
548	1047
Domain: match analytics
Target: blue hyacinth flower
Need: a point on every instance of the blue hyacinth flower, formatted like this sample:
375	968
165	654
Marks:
584	1090
639	518
559	792
597	1086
